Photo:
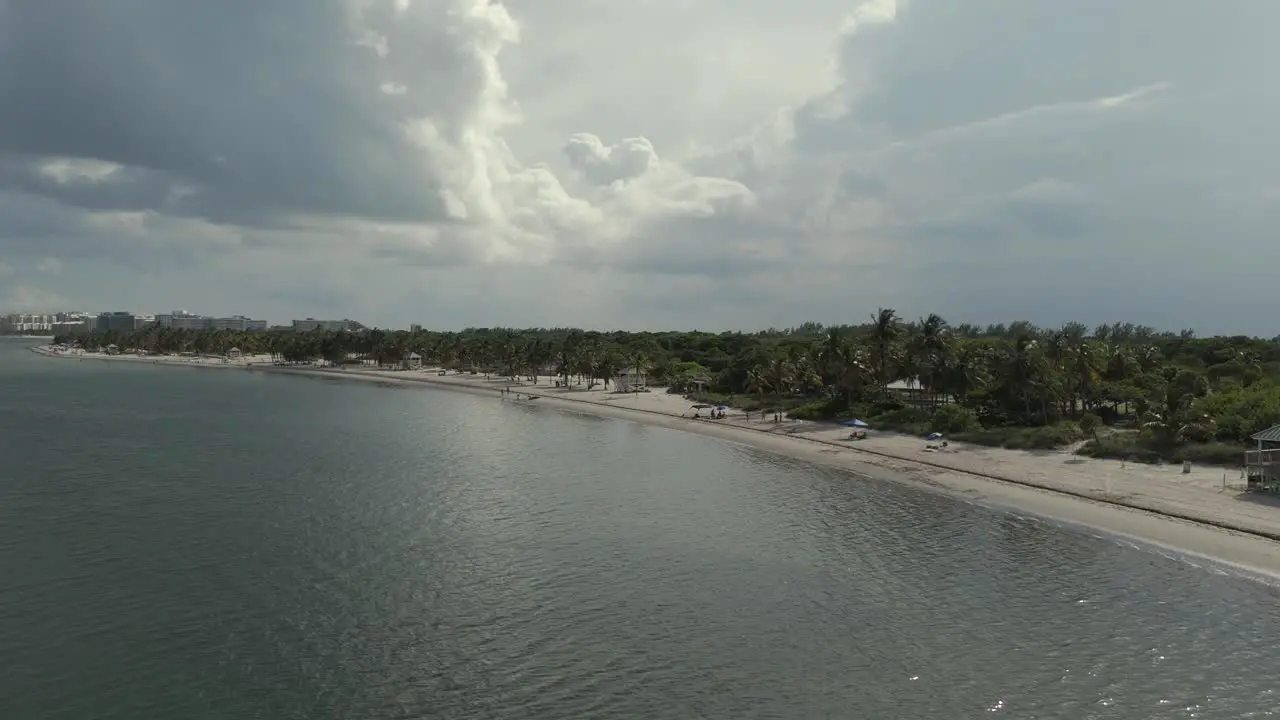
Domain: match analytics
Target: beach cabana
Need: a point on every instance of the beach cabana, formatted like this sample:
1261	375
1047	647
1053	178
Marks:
113	349
412	361
234	353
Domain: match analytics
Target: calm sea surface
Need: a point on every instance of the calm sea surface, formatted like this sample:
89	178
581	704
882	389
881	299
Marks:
183	543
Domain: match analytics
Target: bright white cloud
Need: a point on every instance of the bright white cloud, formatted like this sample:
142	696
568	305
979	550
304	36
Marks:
651	163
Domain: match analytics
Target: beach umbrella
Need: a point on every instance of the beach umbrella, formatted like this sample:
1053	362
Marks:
722	407
855	423
934	436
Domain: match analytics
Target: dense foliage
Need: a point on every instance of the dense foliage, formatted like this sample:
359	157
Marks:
1128	389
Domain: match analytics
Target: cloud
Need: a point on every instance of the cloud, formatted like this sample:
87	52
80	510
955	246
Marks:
768	162
24	298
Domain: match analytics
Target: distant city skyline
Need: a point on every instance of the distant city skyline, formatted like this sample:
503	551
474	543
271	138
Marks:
187	319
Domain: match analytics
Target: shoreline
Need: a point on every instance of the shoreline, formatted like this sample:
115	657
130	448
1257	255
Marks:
1155	506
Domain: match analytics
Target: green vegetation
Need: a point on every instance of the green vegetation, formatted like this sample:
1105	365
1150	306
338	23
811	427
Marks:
1121	390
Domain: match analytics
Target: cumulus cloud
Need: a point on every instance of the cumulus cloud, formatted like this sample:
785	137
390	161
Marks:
768	162
605	165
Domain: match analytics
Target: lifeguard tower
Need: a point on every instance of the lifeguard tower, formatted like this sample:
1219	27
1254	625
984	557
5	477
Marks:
1262	465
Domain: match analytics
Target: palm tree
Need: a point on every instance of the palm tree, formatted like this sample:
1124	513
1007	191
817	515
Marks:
962	373
832	355
781	375
638	359
607	363
1023	370
855	373
757	382
886	329
1176	421
930	348
1084	370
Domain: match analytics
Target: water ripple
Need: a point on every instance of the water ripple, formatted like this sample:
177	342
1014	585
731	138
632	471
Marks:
317	550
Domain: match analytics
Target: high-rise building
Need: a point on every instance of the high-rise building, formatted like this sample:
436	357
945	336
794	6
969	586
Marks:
327	325
29	322
119	320
183	320
237	322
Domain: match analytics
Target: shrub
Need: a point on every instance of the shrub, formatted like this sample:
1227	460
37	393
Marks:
1135	447
1126	446
816	410
1047	437
1213	453
903	419
1241	412
901	416
990	437
1090	424
1052	436
955	419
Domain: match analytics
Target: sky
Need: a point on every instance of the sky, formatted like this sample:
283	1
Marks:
647	164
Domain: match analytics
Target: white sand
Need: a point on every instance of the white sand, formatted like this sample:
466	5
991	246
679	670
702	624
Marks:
1141	502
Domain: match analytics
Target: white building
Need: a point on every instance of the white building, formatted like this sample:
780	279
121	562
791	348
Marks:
413	361
83	325
311	324
238	322
31	322
183	320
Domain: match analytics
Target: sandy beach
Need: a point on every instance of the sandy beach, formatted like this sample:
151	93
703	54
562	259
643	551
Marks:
1203	513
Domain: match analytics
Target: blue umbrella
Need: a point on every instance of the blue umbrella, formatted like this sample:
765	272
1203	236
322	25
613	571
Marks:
855	423
934	436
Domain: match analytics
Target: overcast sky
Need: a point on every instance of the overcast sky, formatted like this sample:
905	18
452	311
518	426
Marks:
651	163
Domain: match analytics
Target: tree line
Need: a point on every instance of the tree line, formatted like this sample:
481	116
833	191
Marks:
1127	389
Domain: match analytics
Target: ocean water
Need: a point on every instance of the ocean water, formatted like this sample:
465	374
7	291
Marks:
185	543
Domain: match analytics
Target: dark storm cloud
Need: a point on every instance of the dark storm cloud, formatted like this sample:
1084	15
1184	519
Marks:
123	188
257	107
